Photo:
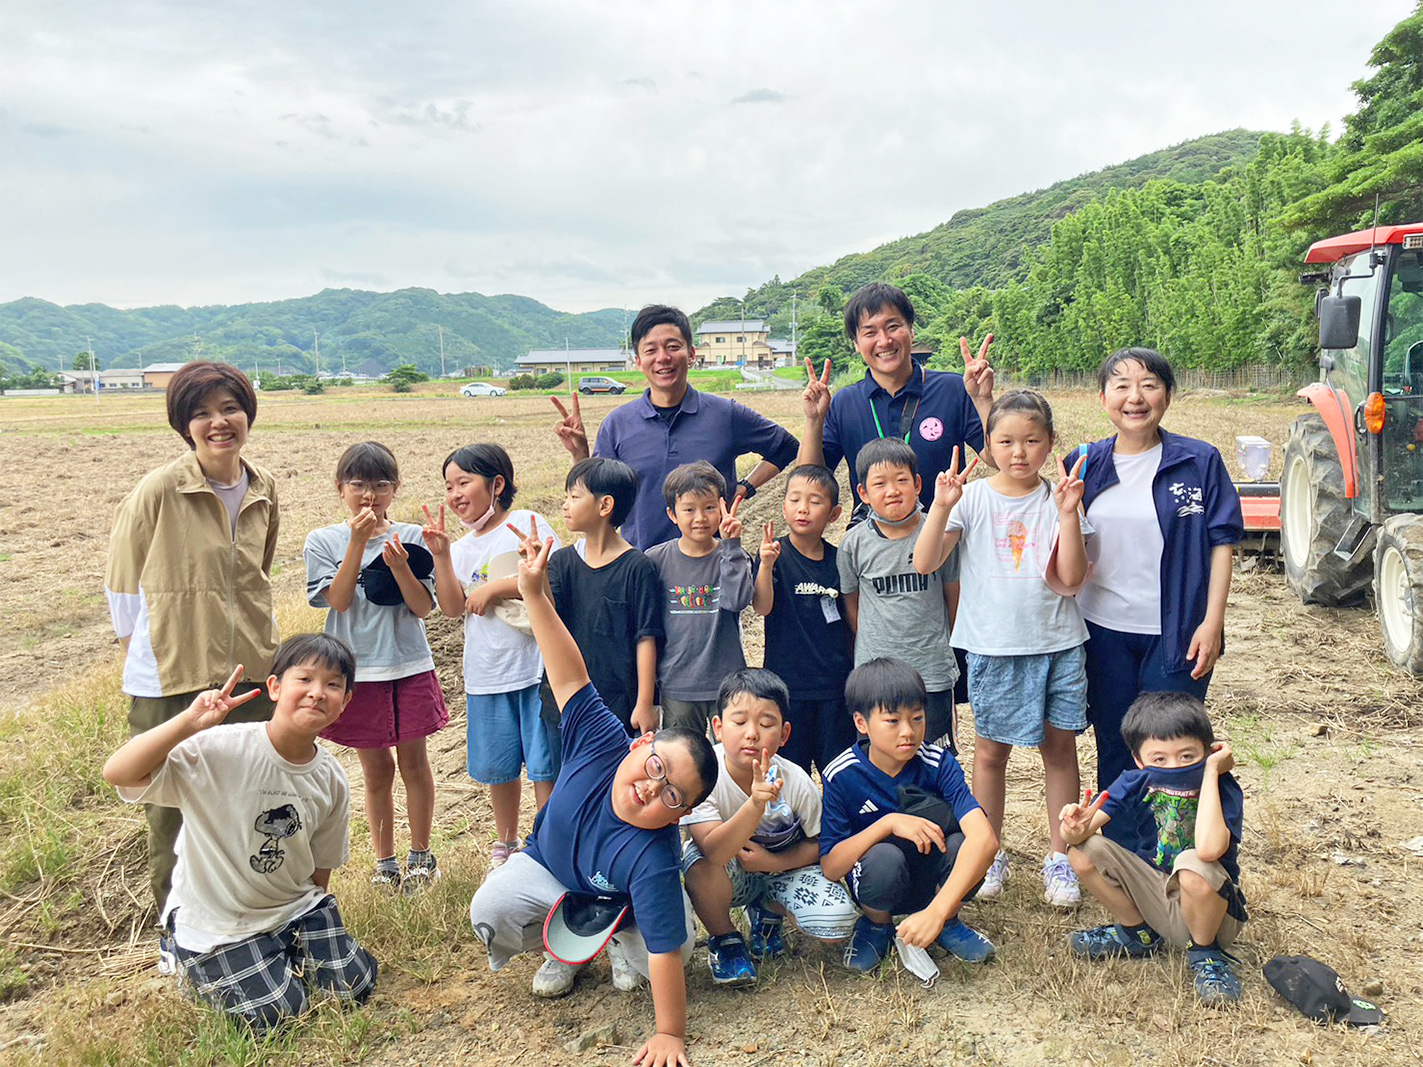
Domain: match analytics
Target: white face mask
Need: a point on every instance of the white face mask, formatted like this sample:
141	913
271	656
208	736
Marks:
480	522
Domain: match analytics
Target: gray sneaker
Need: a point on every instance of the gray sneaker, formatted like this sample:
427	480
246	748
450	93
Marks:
625	975
554	978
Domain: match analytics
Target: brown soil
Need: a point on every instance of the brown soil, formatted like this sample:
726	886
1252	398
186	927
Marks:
1328	739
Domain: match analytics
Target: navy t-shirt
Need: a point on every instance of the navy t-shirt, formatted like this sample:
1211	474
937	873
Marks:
858	794
581	842
807	637
1153	813
608	610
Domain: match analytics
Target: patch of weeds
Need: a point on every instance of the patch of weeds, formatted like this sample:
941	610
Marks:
6	557
14	982
1253	741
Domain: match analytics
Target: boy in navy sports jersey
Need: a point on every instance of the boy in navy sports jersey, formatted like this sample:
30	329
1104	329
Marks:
900	825
609	829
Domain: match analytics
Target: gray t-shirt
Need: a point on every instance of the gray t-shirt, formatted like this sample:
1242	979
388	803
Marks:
389	641
702	602
902	612
231	497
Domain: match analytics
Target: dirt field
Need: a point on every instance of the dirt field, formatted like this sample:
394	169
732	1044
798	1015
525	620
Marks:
1328	738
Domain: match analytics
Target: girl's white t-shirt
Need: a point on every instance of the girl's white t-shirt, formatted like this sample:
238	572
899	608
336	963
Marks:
1005	605
1123	591
497	657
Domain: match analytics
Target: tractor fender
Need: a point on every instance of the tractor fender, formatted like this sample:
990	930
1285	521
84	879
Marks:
1337	411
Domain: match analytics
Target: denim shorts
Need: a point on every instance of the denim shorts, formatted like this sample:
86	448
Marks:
1012	696
506	733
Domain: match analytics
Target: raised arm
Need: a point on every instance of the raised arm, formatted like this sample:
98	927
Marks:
816	406
978	380
412	590
935	543
342	591
763	598
1070	558
569	428
449	594
567	673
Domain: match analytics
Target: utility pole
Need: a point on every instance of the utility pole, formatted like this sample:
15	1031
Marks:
93	367
568	366
794	352
743	333
316	341
442	350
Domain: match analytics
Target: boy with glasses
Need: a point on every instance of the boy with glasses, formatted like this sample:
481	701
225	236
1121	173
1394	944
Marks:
608	830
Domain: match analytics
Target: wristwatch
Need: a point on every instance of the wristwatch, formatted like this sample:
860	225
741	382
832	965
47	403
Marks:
750	489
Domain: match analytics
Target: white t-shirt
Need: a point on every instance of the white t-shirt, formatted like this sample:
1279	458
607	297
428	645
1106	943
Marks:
497	657
773	832
1124	590
1006	607
255	827
389	640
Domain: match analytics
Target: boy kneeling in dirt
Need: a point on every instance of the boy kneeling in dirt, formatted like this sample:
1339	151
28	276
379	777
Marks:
1165	864
608	830
250	921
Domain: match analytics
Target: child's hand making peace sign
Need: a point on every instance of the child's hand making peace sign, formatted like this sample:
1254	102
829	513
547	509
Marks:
948	486
730	524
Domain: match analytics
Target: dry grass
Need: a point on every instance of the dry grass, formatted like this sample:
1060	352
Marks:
76	960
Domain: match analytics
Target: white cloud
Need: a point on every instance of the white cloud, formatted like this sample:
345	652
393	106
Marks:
591	155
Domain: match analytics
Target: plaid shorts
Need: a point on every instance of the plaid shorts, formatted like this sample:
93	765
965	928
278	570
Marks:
266	978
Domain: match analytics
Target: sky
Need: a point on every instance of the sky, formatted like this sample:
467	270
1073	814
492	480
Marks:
592	155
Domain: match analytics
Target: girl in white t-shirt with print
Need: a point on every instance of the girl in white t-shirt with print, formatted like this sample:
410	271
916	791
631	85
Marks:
1023	556
476	577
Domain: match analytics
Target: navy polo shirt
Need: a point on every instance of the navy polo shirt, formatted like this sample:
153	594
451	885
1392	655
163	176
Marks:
704	426
934	408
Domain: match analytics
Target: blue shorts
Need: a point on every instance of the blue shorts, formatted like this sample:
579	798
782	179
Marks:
505	733
1012	696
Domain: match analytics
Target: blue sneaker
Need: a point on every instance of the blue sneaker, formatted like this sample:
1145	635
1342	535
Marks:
868	944
964	942
729	961
1216	984
766	939
1112	941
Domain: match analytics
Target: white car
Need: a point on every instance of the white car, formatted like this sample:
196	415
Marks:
482	389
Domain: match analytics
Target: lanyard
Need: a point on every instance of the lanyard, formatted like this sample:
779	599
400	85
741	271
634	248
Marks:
879	430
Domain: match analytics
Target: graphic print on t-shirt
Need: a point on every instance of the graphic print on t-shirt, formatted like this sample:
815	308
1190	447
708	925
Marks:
1175	813
1012	542
693	599
274	825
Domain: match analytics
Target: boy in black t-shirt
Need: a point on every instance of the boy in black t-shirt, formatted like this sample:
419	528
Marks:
609	595
808	641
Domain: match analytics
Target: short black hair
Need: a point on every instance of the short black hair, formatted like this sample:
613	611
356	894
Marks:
885	451
321	649
755	682
602	476
368	461
486	460
818	476
659	315
702	753
1166	717
887	683
869	299
1155	363
698	477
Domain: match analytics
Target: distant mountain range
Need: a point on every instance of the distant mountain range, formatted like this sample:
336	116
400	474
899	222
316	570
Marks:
377	331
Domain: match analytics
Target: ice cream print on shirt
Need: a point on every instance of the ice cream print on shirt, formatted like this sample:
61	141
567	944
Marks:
1015	547
274	825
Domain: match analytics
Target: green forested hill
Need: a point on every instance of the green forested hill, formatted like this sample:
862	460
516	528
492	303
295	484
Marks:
986	246
389	328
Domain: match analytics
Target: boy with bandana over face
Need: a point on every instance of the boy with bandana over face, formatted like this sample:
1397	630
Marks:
1165	864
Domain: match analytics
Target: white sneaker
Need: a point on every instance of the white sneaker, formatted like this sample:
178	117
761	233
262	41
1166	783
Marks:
554	978
625	976
992	887
1060	888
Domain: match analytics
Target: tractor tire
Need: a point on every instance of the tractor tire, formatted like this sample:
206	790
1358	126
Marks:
1314	514
1398	589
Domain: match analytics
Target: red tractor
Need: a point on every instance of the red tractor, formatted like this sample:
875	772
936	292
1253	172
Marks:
1351	492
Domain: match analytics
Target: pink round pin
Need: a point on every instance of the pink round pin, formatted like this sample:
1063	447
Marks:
931	429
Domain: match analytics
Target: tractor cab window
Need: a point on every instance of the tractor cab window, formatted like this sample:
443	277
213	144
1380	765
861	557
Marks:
1402	443
1351	365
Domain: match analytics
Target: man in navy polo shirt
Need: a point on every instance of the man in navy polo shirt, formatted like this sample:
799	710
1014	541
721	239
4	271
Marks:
933	411
671	424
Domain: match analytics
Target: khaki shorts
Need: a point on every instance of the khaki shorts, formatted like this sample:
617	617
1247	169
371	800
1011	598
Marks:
1156	894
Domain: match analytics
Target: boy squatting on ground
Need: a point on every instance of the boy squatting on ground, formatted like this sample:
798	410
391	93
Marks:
265	819
900	825
609	829
705	586
1165	864
753	841
894	610
808	641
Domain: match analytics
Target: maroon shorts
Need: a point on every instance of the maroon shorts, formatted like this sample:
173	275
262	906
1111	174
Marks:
382	714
